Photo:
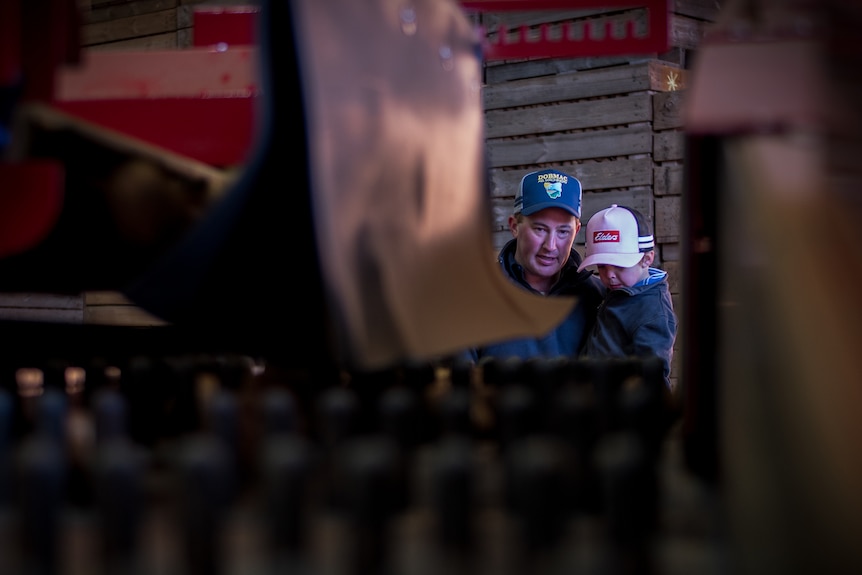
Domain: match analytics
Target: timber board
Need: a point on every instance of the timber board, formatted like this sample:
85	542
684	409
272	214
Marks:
166	41
507	70
668	179
667	110
108	11
668	212
571	146
686	32
668	145
700	9
643	76
627	109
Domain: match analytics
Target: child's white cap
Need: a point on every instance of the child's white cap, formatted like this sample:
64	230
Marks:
617	236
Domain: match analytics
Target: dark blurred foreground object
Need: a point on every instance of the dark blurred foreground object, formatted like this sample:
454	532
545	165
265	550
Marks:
772	208
207	465
366	178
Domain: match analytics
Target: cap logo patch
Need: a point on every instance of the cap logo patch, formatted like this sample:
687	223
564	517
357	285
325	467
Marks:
554	189
552	177
605	236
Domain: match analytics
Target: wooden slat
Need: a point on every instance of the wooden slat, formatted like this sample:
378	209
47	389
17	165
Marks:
686	32
668	179
699	9
651	75
593	175
675	56
668	210
505	71
670	252
667	78
674	278
106	12
567	86
668	145
667	110
569	147
666	253
569	116
166	41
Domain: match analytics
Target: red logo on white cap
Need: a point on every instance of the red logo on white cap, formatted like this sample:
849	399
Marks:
605	236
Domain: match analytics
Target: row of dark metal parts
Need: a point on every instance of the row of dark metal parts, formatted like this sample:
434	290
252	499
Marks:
167	462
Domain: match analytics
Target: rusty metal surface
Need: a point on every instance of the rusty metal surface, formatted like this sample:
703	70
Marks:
398	182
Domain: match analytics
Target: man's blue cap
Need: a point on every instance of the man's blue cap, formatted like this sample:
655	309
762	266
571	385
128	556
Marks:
548	189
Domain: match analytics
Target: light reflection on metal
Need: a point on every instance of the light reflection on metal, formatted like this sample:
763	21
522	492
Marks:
30	381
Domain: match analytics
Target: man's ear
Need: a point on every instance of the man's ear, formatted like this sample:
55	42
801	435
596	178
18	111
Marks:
513	225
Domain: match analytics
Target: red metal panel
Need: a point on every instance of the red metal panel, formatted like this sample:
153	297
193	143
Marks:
50	36
196	102
10	42
217	131
230	25
31	198
191	73
566	45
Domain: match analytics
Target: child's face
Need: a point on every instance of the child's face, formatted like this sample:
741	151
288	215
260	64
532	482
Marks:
616	277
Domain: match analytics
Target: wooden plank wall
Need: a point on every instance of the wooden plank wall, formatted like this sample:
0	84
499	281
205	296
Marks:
612	121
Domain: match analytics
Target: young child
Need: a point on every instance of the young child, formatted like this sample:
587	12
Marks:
636	317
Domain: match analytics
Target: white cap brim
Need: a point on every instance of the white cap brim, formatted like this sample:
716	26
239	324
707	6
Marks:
611	259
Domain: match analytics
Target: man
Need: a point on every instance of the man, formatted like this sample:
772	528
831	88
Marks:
540	258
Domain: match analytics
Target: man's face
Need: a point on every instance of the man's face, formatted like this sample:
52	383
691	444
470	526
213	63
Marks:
544	240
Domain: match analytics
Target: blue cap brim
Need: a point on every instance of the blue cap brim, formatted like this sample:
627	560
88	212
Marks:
544	205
